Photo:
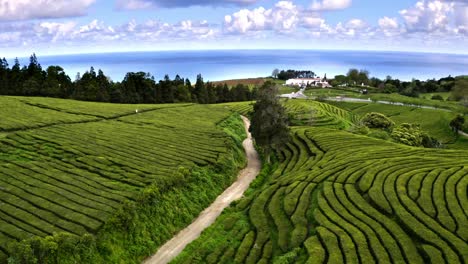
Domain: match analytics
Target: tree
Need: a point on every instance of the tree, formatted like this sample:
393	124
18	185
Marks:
353	76
200	90
460	91
274	74
340	79
377	120
269	120
457	123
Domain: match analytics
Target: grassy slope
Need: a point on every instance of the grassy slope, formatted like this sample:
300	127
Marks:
337	197
118	177
435	122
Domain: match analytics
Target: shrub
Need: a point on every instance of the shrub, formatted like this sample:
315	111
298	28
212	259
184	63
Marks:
359	129
379	134
408	134
437	97
430	142
377	120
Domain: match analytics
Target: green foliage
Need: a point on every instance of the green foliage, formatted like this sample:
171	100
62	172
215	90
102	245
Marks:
343	197
107	189
288	258
312	113
460	91
408	134
359	129
269	120
377	120
437	97
457	123
58	248
435	122
380	134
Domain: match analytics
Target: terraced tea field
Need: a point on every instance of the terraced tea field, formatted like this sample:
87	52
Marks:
435	122
307	112
336	197
73	170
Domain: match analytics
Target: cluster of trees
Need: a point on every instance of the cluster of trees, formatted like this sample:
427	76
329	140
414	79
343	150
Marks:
291	74
416	87
353	77
457	85
384	128
136	87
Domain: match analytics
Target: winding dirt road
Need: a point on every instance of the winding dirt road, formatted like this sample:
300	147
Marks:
174	246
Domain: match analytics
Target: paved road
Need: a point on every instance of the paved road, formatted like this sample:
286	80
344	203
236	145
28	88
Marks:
173	247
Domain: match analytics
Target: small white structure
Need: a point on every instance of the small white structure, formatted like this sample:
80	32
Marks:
303	82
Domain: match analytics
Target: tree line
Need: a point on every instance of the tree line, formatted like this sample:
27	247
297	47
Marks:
292	74
457	85
136	87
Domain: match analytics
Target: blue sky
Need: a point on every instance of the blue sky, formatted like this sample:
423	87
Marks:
50	27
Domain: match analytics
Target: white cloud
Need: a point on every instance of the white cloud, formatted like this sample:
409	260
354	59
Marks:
356	24
97	32
428	16
388	23
56	30
354	28
283	17
389	26
134	4
142	4
11	10
313	22
326	5
461	17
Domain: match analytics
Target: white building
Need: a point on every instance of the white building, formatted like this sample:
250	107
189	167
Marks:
303	82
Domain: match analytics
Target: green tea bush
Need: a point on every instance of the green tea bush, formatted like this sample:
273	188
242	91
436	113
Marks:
377	120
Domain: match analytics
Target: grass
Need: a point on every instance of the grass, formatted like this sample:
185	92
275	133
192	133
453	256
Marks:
435	122
109	185
339	197
104	170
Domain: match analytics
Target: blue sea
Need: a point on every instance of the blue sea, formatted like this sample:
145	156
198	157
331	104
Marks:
232	64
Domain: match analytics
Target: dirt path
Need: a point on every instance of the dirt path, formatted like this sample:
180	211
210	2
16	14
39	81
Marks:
463	133
173	247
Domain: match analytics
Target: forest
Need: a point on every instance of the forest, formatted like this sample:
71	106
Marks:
136	87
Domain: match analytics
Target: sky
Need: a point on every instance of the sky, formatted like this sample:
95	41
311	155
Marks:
53	27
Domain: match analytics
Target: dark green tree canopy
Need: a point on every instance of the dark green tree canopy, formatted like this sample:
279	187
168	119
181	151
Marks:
457	123
269	120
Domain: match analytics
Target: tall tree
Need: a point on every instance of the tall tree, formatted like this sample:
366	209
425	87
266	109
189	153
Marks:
269	120
200	91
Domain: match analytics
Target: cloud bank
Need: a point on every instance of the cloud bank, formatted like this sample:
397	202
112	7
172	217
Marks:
141	4
11	10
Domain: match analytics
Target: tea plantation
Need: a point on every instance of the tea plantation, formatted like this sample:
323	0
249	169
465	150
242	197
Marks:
337	197
129	175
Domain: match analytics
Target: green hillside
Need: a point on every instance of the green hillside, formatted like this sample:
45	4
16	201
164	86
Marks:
435	122
106	183
130	179
335	197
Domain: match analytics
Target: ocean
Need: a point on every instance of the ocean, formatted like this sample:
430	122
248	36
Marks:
232	64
